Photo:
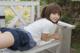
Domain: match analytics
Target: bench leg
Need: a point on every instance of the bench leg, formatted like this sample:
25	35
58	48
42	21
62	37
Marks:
58	49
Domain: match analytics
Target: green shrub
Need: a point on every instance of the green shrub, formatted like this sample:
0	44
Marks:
67	19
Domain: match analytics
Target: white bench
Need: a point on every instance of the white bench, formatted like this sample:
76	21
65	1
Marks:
36	49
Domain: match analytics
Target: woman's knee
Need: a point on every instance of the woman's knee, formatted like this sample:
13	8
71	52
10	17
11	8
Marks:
6	40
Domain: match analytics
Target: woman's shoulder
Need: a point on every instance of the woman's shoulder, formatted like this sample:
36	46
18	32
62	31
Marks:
42	20
45	22
39	21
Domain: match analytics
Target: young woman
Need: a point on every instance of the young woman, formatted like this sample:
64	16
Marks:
28	36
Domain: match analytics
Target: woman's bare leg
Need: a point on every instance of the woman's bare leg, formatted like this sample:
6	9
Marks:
6	40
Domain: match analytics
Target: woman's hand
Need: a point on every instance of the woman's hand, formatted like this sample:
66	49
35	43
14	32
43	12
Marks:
45	37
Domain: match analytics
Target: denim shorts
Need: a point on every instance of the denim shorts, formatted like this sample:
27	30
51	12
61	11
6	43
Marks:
23	39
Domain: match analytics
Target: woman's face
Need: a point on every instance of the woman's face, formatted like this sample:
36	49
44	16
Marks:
54	17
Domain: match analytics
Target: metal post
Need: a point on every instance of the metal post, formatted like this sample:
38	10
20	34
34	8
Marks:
32	11
38	9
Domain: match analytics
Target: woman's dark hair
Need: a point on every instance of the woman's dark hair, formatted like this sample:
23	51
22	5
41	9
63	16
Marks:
51	8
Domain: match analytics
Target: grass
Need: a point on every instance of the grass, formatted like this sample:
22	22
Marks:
76	46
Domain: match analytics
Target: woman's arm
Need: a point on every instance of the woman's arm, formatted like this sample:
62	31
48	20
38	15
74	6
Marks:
6	40
56	36
47	37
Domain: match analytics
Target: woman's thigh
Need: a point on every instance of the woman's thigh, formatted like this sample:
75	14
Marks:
6	39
